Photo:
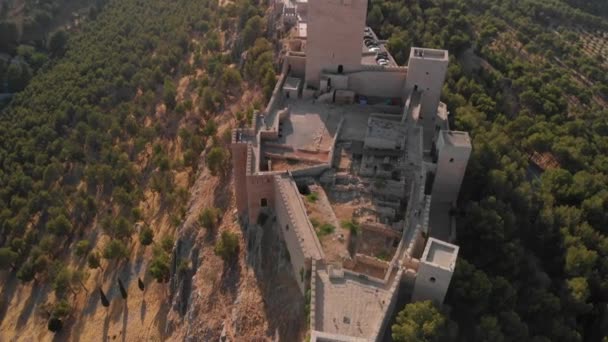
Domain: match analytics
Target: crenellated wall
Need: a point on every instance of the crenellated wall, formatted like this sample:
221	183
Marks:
300	237
260	194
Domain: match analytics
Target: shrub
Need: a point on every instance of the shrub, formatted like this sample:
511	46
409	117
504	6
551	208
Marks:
159	266
167	243
209	218
325	229
115	249
227	246
217	159
82	248
312	197
146	236
94	260
351	225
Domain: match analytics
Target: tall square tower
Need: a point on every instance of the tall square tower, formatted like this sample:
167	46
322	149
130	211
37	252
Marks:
453	152
335	37
435	271
426	72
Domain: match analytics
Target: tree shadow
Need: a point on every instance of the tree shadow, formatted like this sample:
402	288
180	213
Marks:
29	306
125	320
231	277
160	318
142	310
8	291
106	326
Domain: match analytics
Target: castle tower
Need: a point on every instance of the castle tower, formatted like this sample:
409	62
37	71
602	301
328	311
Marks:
335	37
427	69
435	271
453	152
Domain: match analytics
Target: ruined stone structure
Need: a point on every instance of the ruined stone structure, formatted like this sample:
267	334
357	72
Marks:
372	143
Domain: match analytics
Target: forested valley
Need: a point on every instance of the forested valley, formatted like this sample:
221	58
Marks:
528	79
99	152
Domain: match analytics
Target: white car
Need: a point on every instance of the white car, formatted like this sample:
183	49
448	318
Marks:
383	62
374	49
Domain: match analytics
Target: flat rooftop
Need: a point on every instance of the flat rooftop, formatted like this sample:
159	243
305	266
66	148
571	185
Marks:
423	53
456	138
440	253
348	305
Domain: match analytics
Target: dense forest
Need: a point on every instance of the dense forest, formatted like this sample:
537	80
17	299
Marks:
533	262
33	33
104	124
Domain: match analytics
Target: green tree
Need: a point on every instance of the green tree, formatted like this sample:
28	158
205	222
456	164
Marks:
420	321
146	236
579	289
94	260
167	243
60	226
26	272
57	43
488	330
209	218
227	246
231	79
169	94
18	76
217	160
375	17
82	248
580	260
252	31
7	258
115	249
159	267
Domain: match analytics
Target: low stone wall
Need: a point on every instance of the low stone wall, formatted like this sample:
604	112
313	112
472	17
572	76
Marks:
380	230
371	261
314	171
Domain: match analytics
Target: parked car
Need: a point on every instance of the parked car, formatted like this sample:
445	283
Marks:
383	62
373	48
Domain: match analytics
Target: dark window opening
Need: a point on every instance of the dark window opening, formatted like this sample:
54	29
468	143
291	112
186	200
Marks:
304	189
432	279
416	87
264	203
286	227
451	160
340	69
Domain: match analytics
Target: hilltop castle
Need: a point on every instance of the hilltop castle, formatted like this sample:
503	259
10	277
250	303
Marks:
354	163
